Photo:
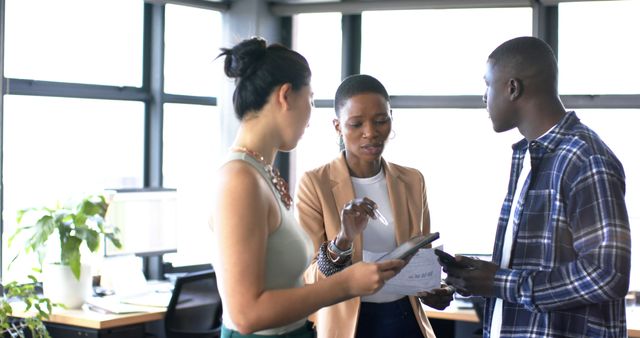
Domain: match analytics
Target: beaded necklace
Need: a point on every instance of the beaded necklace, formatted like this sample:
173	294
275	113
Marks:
278	182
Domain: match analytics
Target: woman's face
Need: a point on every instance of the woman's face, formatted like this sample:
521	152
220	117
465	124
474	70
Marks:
364	124
301	102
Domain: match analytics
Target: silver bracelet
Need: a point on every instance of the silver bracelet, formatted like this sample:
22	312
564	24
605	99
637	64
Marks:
336	250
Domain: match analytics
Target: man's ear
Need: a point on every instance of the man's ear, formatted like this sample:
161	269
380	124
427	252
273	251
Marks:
283	94
515	88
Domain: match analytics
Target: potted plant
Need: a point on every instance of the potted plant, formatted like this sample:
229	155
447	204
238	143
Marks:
66	279
13	293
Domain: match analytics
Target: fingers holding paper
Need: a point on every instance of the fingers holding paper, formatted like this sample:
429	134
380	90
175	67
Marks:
367	278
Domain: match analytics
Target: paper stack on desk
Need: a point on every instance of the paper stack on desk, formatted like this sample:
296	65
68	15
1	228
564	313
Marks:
112	305
152	298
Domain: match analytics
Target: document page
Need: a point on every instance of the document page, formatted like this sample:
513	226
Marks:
422	273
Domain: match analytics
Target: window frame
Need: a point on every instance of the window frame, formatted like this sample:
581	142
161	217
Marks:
151	93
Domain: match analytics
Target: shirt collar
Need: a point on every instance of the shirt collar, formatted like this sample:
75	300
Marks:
550	140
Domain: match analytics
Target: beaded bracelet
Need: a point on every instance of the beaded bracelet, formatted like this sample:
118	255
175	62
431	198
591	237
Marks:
326	264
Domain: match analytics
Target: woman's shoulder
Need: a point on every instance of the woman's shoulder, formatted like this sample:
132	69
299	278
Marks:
238	174
402	170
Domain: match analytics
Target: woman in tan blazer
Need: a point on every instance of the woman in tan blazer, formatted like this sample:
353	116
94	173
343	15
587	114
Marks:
361	178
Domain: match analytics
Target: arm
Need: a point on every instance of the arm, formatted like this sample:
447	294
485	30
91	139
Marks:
599	224
240	243
317	221
310	217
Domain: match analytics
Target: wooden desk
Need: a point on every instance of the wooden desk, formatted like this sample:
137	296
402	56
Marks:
469	315
453	313
77	322
95	320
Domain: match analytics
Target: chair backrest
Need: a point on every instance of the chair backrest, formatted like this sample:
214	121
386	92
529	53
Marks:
195	309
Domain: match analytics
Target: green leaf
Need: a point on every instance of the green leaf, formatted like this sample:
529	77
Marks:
16	233
33	278
88	208
80	219
92	238
114	240
71	254
43	228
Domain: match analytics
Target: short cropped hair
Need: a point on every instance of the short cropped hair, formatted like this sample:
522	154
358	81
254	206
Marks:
354	85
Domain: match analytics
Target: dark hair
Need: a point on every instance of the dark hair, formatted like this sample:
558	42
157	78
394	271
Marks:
526	56
258	69
357	84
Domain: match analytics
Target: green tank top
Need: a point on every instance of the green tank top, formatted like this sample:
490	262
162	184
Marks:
289	249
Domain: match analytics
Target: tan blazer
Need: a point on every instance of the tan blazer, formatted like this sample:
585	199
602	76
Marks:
321	195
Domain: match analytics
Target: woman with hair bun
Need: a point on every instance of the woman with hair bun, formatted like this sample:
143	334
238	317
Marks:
260	251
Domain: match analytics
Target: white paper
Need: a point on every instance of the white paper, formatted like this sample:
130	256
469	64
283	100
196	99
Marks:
422	273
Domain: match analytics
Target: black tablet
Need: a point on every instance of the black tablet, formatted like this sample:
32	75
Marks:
410	247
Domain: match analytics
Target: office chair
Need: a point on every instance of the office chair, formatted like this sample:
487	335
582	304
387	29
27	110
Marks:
195	308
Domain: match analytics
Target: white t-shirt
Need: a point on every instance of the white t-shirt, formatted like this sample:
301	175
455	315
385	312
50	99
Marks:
377	237
496	320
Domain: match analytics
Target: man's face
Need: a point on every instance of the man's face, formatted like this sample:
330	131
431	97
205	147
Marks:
497	98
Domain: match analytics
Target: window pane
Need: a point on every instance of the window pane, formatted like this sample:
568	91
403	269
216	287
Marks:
192	42
436	52
56	149
83	41
616	126
466	168
191	157
318	145
598	48
322	48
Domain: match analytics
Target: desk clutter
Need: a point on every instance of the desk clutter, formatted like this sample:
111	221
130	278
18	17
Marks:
157	294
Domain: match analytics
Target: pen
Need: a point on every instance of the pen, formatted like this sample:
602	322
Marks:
380	217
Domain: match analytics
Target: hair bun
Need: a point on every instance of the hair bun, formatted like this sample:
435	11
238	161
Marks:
241	60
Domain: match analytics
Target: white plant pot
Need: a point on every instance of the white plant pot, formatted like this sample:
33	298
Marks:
61	286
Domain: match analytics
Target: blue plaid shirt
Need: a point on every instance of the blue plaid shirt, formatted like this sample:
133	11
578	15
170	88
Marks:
570	261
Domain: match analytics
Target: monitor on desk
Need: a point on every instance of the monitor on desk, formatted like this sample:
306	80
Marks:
148	222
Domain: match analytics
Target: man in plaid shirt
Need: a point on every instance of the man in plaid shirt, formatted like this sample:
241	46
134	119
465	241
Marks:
561	260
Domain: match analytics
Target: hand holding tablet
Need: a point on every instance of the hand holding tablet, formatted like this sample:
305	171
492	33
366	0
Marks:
448	260
410	247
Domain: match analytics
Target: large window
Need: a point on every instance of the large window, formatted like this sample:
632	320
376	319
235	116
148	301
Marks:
191	157
436	52
319	38
82	41
57	149
192	43
318	145
192	133
466	169
87	127
599	58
